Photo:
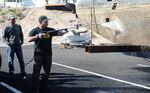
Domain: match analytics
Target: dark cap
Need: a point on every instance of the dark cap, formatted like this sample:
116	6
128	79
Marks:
42	18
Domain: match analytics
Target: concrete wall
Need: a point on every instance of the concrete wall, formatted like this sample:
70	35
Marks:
133	20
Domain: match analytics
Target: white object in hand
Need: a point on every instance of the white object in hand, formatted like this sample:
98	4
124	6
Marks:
40	35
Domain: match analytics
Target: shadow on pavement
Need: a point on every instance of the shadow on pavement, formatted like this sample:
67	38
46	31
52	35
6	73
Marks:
145	54
68	83
143	69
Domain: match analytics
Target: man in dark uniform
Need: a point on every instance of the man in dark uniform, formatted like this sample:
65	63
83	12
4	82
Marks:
13	37
42	38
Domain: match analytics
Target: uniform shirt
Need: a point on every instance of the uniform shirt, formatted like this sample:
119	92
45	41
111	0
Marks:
43	46
13	35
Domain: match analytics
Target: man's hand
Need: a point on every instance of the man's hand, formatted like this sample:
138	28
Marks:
40	35
65	30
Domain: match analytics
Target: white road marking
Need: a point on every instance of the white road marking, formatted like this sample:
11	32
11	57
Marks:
104	76
10	87
141	65
4	45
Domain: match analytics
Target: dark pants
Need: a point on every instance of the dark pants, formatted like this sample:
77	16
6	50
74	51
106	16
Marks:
11	50
46	62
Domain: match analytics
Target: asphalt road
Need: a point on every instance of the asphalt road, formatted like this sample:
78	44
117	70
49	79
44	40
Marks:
75	71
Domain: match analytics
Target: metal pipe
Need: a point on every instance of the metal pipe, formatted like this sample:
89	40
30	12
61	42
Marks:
116	48
58	30
91	9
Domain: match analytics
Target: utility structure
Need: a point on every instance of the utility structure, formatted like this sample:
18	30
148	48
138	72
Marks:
23	3
93	18
65	6
94	23
13	3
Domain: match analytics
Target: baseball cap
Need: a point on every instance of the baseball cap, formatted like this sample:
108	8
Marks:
12	17
43	18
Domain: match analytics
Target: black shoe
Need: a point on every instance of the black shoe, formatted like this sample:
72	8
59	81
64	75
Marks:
35	91
44	89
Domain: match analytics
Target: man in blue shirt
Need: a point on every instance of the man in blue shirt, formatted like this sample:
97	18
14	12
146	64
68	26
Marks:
13	37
